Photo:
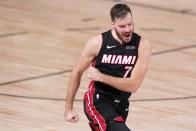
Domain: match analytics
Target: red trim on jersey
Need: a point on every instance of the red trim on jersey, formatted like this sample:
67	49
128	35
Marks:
94	127
91	109
119	119
93	63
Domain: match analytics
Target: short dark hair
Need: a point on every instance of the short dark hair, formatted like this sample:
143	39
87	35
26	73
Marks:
119	10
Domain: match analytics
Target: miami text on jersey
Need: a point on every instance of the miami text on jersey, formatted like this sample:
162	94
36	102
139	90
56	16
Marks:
118	59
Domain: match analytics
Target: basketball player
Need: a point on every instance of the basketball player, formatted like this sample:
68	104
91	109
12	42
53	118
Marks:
119	60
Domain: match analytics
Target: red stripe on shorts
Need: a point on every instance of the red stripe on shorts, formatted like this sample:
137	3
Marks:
91	110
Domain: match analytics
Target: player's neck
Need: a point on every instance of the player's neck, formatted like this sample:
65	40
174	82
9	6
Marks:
115	35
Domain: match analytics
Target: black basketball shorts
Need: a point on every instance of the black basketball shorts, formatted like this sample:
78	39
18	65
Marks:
104	113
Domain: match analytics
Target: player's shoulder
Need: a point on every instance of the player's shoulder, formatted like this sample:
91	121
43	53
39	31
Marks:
94	44
96	40
145	43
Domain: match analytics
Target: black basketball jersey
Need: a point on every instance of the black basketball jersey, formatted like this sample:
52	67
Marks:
116	60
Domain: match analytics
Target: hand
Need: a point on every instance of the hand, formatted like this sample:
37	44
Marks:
71	116
94	74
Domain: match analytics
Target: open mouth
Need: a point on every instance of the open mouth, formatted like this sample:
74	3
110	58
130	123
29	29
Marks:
127	35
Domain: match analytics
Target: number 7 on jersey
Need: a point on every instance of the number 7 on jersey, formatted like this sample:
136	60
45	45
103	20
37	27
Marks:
128	69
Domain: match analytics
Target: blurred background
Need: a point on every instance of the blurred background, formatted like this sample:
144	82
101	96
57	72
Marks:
41	40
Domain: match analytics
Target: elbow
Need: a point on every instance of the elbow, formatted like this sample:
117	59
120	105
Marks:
133	89
136	82
134	86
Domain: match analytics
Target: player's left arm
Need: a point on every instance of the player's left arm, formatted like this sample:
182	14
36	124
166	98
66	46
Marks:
139	71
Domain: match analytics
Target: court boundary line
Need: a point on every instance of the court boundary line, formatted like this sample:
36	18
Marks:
13	34
81	100
69	70
35	77
174	49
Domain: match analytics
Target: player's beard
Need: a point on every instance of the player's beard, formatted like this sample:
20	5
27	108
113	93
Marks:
120	36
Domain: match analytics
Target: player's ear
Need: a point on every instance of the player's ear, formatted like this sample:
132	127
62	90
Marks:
133	26
112	22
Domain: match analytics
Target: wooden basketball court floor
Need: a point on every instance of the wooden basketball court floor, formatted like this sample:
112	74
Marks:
41	40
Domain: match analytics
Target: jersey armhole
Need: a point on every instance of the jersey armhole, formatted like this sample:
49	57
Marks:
138	40
102	44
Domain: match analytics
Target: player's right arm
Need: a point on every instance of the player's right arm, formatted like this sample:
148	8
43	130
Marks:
89	53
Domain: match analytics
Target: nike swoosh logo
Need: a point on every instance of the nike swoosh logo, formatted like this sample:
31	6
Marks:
110	46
